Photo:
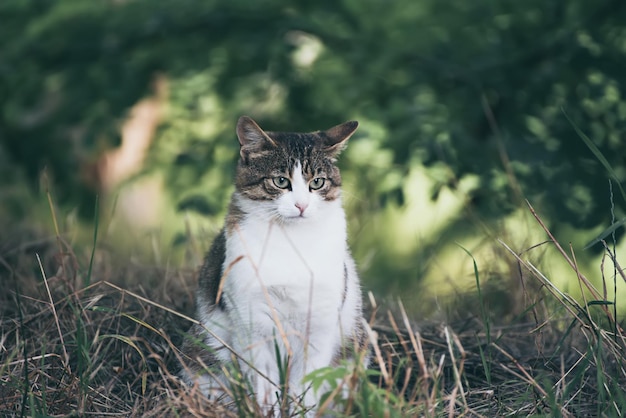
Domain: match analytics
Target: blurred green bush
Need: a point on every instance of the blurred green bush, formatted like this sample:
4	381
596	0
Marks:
469	90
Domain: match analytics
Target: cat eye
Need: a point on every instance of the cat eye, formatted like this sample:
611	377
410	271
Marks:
317	183
281	182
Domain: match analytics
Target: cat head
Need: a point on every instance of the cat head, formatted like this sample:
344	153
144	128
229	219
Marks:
289	176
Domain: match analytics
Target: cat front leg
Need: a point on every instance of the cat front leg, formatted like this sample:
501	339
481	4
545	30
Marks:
266	395
262	369
321	349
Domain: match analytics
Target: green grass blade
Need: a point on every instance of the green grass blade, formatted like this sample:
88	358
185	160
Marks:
95	240
483	311
26	386
486	364
594	149
485	357
606	233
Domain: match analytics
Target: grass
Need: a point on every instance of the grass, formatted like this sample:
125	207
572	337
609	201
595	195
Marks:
82	335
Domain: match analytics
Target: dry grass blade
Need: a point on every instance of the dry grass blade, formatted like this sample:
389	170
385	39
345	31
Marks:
572	264
66	357
451	342
373	337
555	291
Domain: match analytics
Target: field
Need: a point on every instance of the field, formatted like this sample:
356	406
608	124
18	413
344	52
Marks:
469	112
85	334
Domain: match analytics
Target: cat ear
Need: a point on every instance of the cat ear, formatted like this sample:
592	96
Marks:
251	136
335	138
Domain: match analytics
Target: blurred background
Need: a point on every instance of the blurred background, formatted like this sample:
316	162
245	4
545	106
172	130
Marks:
123	112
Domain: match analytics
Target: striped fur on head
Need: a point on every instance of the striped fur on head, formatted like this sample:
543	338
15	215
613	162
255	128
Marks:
267	155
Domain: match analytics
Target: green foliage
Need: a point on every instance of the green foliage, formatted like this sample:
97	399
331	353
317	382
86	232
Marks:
425	72
349	389
467	89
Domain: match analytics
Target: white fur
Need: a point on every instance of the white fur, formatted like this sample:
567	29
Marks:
288	288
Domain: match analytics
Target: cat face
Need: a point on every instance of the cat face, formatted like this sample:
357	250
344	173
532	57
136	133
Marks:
287	176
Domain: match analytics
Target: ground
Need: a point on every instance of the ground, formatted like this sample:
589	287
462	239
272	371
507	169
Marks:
86	334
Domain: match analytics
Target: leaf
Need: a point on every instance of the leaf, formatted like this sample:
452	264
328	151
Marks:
329	375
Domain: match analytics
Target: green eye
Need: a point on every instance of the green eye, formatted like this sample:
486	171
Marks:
317	183
281	182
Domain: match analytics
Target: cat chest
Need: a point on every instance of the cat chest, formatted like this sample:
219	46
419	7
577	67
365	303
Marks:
290	264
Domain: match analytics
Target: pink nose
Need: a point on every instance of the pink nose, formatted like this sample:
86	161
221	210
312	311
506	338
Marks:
302	207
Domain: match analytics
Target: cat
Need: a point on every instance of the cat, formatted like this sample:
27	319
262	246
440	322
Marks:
279	275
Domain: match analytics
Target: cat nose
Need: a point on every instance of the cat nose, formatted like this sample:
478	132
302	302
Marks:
302	207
